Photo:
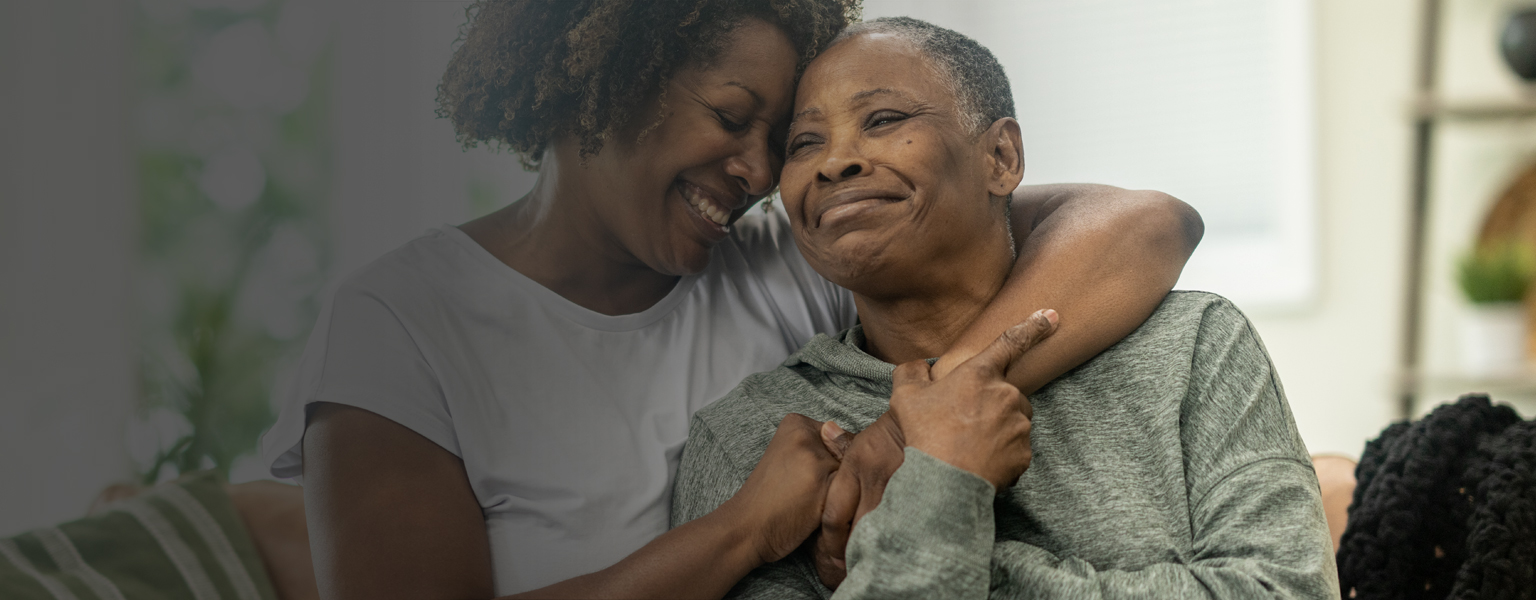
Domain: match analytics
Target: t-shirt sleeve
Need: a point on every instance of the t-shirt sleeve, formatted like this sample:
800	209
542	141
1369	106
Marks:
363	354
767	244
1255	508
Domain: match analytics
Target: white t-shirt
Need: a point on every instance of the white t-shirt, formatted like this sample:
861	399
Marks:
570	423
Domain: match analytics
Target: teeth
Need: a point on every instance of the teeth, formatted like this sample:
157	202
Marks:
705	207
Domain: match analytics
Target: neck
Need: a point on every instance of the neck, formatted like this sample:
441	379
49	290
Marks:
553	237
924	321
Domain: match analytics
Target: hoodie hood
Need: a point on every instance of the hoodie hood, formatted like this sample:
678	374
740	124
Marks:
844	362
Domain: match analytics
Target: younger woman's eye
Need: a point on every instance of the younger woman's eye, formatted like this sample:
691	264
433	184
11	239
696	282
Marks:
730	125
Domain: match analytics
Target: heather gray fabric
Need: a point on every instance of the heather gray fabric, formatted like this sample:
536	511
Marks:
1167	467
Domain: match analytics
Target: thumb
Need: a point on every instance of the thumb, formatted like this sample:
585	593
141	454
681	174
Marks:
912	372
835	438
1015	341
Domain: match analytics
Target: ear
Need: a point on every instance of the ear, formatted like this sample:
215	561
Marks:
1005	151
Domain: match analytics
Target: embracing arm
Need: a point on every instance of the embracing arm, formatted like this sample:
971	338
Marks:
392	515
1102	256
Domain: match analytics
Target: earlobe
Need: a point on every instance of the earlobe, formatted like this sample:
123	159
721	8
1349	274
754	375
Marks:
1007	156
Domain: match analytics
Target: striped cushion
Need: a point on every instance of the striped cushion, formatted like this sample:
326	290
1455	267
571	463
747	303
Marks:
176	540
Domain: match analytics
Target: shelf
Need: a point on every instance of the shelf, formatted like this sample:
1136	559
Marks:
1520	383
1474	109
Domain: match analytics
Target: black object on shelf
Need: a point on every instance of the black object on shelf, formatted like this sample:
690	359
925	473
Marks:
1518	44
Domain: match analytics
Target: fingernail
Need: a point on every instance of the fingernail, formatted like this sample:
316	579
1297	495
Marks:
831	430
1050	315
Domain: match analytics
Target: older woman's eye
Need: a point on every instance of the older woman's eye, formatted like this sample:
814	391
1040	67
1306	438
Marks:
799	143
885	117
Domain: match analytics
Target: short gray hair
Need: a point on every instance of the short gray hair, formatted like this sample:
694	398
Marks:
980	86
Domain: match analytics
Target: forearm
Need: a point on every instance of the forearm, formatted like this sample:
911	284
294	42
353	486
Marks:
1259	535
702	558
1102	257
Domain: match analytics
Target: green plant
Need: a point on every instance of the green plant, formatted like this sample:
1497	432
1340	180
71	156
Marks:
1497	272
233	249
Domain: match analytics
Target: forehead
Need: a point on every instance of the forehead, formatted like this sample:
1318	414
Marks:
845	74
756	58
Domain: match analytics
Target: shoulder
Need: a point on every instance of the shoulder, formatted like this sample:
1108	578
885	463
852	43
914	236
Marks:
417	267
1194	312
1184	325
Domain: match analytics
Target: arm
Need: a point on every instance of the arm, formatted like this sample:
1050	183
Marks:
1255	513
363	470
1102	256
1258	534
931	536
967	436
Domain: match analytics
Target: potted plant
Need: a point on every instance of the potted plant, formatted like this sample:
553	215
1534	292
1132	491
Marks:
1495	277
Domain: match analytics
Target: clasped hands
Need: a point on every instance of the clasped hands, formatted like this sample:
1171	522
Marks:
970	418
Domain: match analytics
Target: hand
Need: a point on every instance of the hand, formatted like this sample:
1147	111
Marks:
781	501
972	418
868	460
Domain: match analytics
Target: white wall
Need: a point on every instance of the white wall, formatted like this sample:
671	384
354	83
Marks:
398	169
68	238
1337	353
1338	358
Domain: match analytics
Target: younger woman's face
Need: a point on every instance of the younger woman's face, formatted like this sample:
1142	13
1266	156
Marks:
672	193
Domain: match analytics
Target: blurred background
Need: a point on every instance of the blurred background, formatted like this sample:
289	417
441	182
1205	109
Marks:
181	181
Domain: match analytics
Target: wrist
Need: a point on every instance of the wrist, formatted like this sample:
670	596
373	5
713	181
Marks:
955	455
738	536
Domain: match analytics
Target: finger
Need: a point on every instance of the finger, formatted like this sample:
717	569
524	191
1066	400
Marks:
869	498
910	373
837	515
1014	342
842	500
836	440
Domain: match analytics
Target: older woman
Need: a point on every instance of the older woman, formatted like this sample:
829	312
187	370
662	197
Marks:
1167	467
498	408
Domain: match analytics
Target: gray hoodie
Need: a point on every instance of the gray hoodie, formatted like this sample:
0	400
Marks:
1167	467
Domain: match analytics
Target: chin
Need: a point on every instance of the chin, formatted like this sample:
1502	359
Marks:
852	266
683	263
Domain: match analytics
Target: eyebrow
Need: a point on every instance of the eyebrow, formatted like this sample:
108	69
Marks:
876	92
758	98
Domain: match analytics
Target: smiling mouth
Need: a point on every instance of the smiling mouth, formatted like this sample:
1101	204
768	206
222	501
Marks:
850	204
704	204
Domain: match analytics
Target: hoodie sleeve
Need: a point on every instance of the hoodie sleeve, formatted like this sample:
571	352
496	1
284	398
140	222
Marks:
930	537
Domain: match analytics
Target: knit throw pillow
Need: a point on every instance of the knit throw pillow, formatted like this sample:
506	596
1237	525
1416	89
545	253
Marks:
178	540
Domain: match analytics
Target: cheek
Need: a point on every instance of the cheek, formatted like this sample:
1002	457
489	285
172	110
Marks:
793	182
853	257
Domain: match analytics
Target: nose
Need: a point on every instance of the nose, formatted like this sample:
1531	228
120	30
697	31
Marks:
843	162
754	167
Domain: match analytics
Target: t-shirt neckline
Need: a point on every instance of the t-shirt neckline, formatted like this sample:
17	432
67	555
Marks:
570	310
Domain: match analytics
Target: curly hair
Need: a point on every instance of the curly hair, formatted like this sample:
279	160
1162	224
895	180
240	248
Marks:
527	72
1443	508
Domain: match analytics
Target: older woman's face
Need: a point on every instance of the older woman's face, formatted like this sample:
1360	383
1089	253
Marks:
880	177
